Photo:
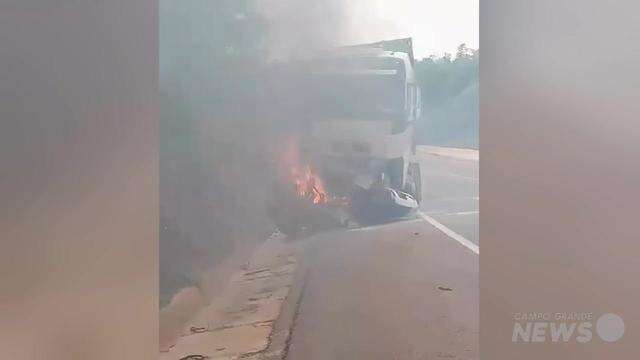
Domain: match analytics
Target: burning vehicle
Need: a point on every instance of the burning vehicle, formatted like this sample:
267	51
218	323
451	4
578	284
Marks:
355	153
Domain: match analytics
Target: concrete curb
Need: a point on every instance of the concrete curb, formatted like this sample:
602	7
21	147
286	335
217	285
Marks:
454	153
285	324
252	318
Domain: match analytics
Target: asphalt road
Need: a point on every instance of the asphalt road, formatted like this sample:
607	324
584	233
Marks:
405	290
451	193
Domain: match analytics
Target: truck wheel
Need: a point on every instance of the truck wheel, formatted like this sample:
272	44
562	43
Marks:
414	183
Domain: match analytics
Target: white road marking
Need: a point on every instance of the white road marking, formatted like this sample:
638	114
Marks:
456	198
450	233
454	213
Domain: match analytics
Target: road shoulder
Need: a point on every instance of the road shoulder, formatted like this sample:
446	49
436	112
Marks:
244	320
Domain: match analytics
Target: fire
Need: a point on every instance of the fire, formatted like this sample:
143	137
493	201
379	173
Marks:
308	184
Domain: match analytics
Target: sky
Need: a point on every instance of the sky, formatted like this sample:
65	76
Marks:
437	26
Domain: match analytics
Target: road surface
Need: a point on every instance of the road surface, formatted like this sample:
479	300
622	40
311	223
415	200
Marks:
405	290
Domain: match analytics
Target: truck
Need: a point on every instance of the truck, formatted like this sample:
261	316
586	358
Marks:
361	106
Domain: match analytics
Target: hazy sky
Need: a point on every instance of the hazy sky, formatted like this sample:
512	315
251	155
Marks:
437	26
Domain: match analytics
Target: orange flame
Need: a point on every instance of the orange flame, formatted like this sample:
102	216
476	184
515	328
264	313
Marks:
308	184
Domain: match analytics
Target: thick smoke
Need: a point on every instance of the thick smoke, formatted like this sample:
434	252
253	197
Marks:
298	28
223	110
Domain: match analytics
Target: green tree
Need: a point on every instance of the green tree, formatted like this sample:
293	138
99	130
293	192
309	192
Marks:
450	98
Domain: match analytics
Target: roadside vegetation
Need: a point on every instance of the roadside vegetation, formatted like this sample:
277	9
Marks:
450	99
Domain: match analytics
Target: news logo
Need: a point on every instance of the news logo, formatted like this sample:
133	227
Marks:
566	327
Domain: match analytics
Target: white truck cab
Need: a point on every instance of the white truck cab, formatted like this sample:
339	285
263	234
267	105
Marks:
364	101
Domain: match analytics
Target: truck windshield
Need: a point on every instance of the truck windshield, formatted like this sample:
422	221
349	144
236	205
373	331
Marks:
367	89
